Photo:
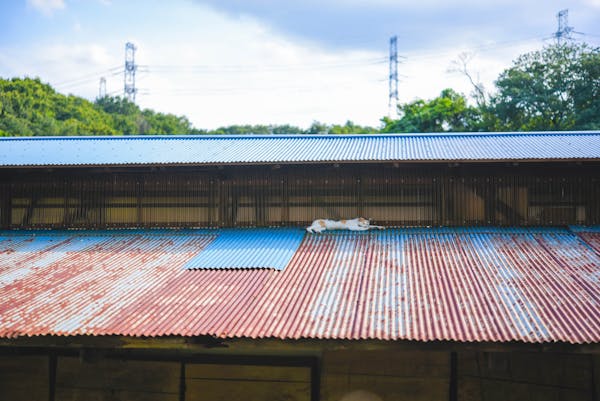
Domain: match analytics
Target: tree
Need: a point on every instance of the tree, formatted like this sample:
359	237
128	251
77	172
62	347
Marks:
30	107
351	128
556	88
461	66
317	128
447	112
128	119
285	129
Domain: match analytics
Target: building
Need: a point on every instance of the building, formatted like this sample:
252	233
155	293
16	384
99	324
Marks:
178	268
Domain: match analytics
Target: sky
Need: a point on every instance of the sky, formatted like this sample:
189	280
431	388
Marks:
225	62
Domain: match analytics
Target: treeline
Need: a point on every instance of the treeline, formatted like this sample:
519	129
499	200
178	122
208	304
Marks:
316	128
29	107
556	88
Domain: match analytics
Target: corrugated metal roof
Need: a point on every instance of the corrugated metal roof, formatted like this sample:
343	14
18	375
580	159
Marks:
150	150
486	284
249	248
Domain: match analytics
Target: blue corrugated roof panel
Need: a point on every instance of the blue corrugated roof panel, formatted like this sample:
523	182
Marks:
249	248
204	149
588	229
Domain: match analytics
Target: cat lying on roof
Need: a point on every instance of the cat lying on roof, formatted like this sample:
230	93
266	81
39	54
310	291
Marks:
358	224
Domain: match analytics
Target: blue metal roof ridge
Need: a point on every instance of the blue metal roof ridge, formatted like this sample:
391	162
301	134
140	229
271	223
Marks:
269	149
298	136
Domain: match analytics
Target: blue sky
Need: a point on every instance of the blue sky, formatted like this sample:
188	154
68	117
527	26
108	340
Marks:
257	61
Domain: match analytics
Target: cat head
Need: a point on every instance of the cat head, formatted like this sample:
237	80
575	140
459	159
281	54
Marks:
363	222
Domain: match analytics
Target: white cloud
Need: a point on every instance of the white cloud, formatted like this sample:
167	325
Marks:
593	3
84	55
252	75
70	69
220	69
46	7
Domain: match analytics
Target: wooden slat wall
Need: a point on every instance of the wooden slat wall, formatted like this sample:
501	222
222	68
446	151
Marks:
388	374
246	383
526	376
24	378
242	197
108	379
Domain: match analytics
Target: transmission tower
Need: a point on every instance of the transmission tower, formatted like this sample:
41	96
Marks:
564	30
129	89
102	89
393	77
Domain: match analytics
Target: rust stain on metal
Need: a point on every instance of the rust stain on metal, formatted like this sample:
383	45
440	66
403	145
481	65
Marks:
486	284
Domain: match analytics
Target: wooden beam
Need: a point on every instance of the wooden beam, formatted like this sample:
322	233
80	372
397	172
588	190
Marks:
26	220
139	218
5	207
182	382
212	345
593	378
315	380
453	385
51	376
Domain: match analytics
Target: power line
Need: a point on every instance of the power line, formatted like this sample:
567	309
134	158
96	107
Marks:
350	85
480	48
89	77
589	34
239	68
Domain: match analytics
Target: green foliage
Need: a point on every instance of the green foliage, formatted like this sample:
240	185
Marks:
128	119
557	88
316	128
29	107
256	130
447	112
242	130
351	128
285	129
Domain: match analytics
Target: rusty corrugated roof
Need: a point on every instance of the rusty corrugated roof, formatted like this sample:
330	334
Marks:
483	284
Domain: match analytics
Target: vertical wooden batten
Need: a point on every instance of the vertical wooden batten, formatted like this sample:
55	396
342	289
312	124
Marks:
453	385
51	376
182	382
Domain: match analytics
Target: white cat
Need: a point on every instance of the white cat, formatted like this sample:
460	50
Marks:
358	224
